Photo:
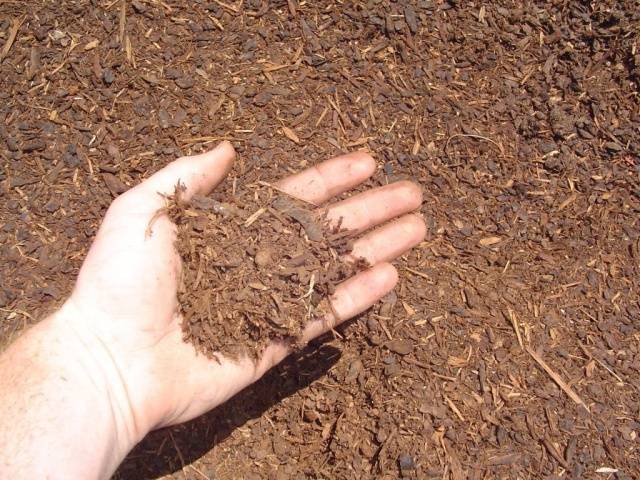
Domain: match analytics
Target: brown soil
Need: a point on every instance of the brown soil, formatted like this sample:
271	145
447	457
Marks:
511	348
256	268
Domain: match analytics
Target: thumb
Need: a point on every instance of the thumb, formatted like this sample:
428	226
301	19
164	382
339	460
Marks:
200	174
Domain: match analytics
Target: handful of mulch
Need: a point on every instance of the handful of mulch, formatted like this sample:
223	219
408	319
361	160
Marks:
256	269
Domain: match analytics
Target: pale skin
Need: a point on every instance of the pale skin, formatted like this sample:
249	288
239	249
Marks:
82	387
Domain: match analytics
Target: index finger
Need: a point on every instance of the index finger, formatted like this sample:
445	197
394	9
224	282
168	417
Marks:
329	178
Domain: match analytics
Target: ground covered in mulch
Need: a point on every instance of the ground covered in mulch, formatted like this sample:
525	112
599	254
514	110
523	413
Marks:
511	347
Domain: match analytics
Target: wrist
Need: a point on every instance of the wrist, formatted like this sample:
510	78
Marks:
98	379
59	388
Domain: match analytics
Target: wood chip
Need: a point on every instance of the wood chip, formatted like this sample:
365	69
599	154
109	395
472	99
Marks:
553	451
359	142
409	309
128	48
508	459
516	328
292	7
401	347
487	241
290	134
114	184
34	62
416	147
91	45
607	470
258	286
568	201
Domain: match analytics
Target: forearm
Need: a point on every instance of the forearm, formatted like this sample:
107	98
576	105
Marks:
59	415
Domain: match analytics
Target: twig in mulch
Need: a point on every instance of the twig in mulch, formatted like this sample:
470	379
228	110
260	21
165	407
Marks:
453	407
514	323
13	32
123	20
418	273
477	137
556	378
621	381
233	8
553	451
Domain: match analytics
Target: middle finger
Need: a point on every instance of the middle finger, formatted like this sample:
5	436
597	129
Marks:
375	206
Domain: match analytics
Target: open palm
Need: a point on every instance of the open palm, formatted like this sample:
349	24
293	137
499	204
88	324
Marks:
126	294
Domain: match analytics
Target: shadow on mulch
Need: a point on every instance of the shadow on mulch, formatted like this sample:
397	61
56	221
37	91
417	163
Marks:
159	454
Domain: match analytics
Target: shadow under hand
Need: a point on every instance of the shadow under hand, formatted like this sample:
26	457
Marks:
156	455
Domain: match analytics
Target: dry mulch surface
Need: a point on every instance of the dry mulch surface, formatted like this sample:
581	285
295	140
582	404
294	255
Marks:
511	348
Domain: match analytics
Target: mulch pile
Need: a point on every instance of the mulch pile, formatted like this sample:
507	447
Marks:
256	269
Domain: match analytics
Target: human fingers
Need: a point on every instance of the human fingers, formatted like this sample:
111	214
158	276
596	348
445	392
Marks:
361	291
321	182
389	241
375	206
352	297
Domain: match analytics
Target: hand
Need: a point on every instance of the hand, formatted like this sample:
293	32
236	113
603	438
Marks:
125	297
